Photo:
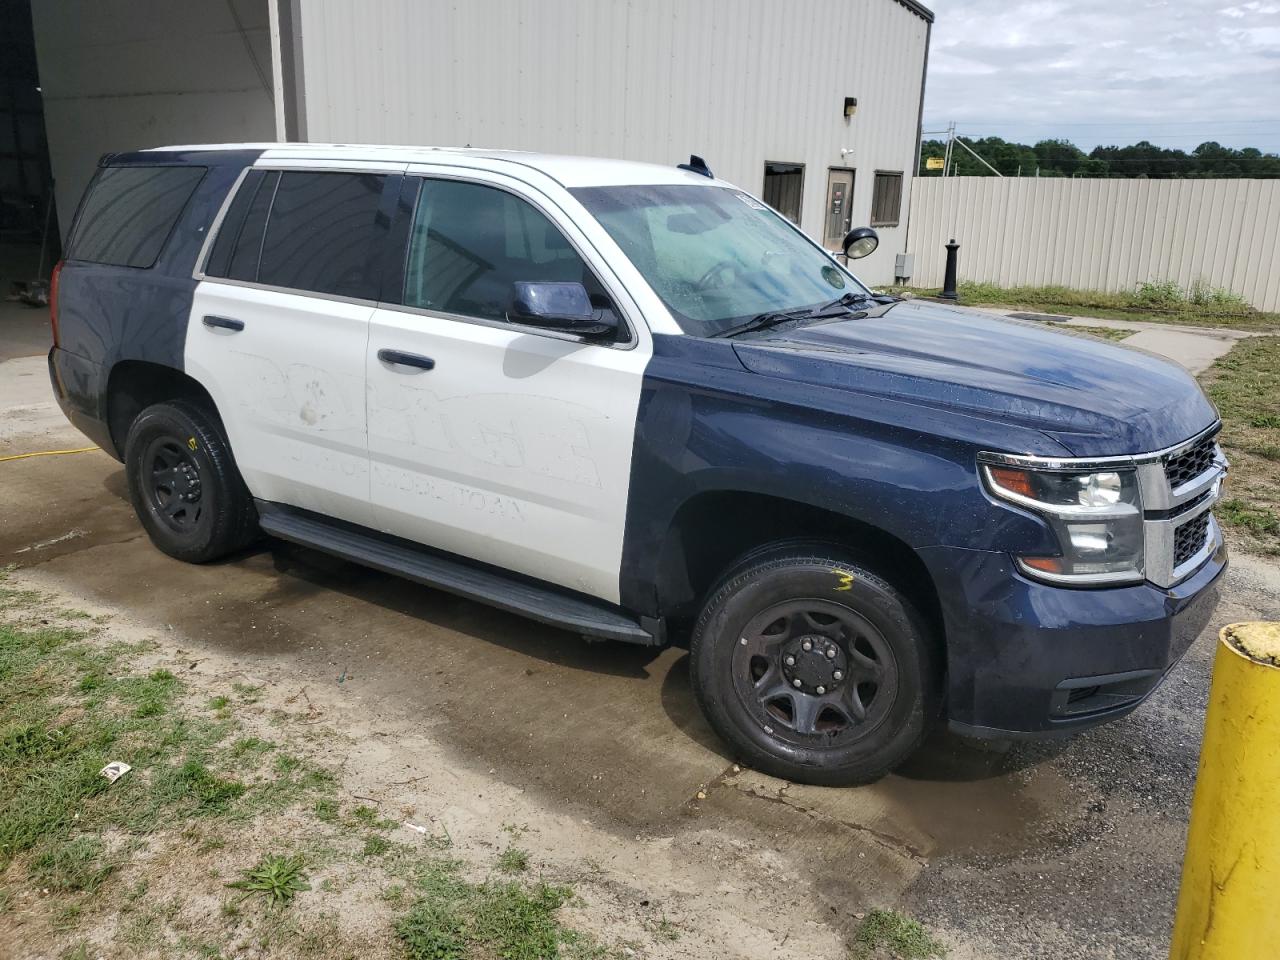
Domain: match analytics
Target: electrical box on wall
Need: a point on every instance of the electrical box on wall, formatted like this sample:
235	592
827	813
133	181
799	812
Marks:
904	265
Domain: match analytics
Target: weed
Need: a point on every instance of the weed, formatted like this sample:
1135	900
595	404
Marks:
326	809
513	860
276	878
219	703
902	938
250	746
370	817
664	930
375	845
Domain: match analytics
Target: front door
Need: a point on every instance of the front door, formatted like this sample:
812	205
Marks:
839	207
488	439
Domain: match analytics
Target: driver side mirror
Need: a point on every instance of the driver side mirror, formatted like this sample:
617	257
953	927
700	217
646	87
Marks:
560	305
860	242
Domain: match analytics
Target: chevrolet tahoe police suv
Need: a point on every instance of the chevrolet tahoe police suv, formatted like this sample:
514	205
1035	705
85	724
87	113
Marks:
635	402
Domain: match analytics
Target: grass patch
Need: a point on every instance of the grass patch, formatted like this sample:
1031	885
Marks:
1200	305
201	784
277	879
1106	333
1245	386
68	866
513	860
453	919
886	933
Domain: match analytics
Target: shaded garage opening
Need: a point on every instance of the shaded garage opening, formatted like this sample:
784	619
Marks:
29	241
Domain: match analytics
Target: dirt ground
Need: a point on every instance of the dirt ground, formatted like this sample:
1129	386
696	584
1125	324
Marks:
475	719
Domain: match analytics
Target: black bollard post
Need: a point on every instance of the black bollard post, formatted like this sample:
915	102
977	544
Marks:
949	291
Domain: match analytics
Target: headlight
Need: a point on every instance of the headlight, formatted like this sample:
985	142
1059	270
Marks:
1097	516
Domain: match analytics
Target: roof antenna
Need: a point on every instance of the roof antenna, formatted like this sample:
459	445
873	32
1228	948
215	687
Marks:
696	165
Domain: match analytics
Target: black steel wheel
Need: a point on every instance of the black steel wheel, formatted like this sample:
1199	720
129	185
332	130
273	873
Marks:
815	671
173	483
184	483
814	668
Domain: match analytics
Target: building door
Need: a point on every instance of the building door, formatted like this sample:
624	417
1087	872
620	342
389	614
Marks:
839	206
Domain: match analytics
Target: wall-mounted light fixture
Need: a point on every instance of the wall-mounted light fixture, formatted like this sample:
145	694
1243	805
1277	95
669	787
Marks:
850	107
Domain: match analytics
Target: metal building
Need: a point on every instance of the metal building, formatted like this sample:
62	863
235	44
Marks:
813	106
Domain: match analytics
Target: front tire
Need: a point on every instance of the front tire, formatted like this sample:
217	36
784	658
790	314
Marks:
814	668
184	484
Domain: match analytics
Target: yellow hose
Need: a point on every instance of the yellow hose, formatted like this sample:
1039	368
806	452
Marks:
46	453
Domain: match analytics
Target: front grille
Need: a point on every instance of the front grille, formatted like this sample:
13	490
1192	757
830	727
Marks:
1190	463
1189	538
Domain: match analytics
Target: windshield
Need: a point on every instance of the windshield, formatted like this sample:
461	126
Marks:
715	256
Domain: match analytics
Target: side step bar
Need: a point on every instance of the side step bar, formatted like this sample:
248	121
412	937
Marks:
402	558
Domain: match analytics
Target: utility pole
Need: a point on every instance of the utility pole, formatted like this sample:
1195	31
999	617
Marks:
946	160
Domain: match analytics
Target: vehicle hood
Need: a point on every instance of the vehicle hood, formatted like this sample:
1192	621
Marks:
1093	397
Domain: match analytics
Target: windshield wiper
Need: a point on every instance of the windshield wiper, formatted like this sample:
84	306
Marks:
848	300
764	321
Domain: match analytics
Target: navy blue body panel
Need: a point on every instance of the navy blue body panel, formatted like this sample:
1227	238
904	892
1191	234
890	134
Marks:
1092	397
707	423
108	314
1017	648
879	419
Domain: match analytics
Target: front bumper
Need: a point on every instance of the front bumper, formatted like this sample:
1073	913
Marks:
1026	659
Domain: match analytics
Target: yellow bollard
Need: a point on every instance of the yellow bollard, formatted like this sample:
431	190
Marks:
1229	905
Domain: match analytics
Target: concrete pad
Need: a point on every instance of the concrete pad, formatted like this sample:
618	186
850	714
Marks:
1194	351
1194	348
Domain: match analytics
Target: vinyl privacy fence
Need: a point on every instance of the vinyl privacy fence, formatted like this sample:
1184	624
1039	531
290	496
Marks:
1101	234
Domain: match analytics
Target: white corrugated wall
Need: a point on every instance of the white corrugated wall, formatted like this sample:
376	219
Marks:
1101	234
739	82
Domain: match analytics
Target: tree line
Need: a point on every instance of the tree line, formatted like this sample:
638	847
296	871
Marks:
1061	158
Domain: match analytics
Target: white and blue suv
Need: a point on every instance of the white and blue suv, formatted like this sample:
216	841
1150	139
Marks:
634	401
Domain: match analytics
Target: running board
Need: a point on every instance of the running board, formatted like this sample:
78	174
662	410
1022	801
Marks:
413	562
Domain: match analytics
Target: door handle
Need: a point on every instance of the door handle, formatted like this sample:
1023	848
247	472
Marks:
226	323
403	359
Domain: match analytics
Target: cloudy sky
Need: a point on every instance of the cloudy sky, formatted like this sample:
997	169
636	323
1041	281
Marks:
1175	72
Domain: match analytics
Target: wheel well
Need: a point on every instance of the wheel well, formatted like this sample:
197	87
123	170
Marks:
713	531
135	385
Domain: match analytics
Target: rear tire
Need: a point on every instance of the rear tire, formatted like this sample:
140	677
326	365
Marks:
814	668
184	484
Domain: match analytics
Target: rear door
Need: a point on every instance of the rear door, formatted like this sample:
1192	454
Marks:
507	444
279	327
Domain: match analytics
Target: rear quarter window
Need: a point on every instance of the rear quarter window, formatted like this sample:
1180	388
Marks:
129	213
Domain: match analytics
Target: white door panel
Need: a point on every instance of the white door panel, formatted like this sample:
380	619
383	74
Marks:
290	390
514	450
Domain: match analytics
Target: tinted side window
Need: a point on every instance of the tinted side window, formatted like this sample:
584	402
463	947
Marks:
471	242
323	234
130	212
229	230
239	242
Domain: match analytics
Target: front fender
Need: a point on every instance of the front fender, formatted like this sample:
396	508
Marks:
713	426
